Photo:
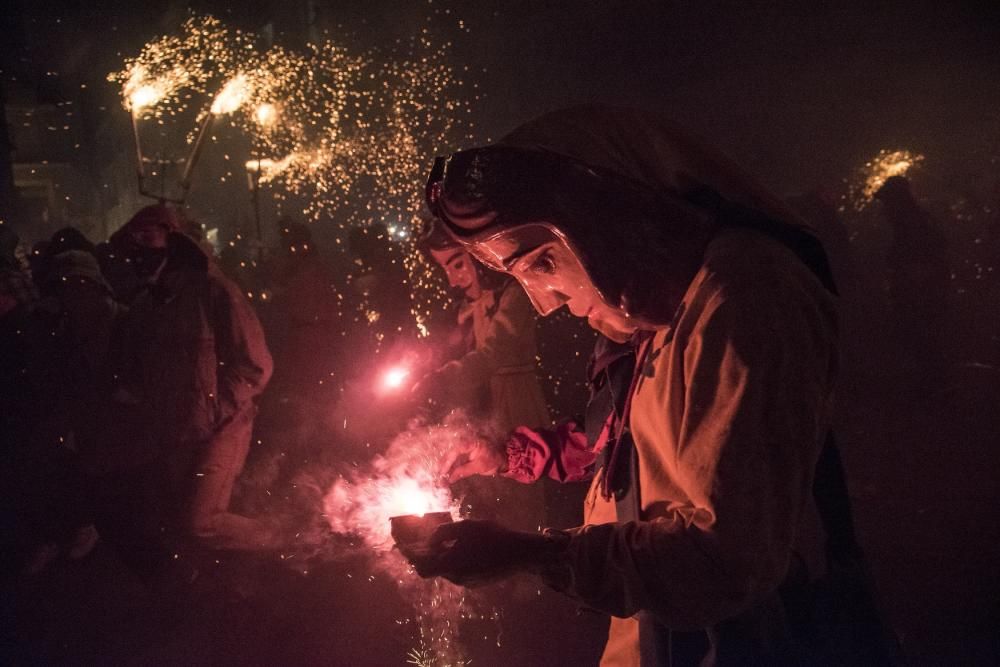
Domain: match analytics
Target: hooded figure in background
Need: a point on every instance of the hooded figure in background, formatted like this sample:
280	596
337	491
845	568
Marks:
498	364
194	363
705	465
494	376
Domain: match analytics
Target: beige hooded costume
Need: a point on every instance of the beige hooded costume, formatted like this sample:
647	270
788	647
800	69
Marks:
728	414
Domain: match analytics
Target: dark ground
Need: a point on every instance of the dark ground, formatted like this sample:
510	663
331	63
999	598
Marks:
924	480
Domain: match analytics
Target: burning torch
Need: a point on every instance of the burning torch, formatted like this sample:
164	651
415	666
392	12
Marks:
229	99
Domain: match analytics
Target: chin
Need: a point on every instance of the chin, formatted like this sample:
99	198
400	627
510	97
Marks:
602	327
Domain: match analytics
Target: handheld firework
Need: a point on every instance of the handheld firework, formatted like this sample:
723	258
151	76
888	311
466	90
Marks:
394	378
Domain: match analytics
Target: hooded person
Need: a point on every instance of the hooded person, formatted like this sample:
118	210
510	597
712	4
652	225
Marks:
705	462
919	282
133	253
499	363
194	362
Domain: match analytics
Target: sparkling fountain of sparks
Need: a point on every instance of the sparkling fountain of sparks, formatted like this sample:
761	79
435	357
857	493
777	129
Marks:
232	96
355	129
405	481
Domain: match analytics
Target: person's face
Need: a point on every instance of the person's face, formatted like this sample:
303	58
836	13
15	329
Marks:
459	269
150	236
553	276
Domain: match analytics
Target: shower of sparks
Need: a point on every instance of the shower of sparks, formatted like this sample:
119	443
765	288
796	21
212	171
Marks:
232	95
875	172
346	136
406	481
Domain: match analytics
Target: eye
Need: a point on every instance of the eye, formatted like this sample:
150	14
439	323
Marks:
544	263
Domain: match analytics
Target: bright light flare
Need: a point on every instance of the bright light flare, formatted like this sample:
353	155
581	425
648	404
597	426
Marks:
266	114
394	378
232	96
408	497
145	96
365	506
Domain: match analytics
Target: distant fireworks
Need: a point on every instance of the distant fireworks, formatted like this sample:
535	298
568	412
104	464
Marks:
875	172
347	135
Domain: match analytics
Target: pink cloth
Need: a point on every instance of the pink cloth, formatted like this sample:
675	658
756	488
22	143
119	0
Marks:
561	453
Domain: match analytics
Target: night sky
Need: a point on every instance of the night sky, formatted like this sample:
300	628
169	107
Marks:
798	92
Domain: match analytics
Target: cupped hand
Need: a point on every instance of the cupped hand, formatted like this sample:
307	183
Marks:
476	457
472	552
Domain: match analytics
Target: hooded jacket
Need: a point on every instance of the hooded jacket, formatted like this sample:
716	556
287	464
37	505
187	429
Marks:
732	399
194	351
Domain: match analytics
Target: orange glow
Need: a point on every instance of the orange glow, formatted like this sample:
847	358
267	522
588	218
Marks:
266	114
232	95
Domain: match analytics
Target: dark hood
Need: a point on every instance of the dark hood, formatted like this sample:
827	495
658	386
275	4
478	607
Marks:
639	198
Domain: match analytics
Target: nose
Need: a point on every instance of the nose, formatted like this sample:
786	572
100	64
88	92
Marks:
545	301
578	309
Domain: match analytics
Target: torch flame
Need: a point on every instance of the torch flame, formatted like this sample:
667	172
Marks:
145	96
141	92
232	95
266	114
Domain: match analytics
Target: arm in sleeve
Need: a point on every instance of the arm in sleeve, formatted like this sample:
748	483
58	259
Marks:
562	453
244	362
513	317
757	373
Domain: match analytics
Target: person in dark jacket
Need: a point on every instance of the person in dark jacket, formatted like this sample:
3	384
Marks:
194	362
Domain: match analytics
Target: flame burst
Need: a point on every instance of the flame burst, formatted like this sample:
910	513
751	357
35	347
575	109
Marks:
404	481
232	96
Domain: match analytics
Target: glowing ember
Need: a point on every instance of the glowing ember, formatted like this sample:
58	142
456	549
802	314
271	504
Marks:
232	95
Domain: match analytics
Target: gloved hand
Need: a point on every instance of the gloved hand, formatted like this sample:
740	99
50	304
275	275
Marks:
471	553
476	457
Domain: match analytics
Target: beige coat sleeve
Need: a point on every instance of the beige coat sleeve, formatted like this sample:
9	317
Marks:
244	362
503	345
741	428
